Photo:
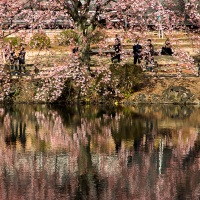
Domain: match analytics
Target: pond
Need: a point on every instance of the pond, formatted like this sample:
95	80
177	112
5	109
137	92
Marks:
88	152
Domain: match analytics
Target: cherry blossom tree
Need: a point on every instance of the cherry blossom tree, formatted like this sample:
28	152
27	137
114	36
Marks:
85	16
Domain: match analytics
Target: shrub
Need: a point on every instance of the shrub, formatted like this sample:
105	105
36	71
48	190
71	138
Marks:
13	41
130	76
67	37
40	41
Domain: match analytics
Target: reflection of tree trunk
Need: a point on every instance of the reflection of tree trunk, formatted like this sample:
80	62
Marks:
13	135
193	154
160	156
23	134
89	161
18	132
117	146
36	129
87	181
137	143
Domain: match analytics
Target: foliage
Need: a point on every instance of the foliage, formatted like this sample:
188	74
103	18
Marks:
68	92
13	41
67	37
129	76
5	87
106	86
40	41
74	81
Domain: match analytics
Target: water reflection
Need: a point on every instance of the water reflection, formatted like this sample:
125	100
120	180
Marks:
59	152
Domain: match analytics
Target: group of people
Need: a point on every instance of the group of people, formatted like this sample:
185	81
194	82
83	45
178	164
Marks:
14	60
139	52
147	52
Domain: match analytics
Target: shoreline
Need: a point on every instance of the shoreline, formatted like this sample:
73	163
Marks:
165	91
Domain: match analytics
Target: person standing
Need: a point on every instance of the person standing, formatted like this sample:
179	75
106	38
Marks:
149	54
137	52
117	39
13	60
117	48
21	57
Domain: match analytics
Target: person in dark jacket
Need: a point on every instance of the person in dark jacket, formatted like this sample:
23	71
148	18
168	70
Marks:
117	48
137	52
21	58
118	40
167	49
13	60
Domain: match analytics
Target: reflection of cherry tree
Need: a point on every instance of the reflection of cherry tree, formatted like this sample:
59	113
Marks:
73	154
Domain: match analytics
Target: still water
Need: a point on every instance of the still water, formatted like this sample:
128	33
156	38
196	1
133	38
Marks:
108	153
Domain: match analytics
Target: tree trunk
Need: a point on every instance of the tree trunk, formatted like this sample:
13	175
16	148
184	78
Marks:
84	43
85	55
